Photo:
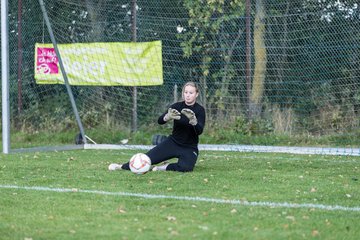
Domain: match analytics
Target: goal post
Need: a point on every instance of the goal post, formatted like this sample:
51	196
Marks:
5	77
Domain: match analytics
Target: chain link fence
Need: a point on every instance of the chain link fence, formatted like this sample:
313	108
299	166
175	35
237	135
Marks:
265	68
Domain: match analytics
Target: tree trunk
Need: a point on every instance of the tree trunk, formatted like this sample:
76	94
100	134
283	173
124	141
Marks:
260	58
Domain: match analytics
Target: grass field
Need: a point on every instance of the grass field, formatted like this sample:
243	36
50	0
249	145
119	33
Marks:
230	195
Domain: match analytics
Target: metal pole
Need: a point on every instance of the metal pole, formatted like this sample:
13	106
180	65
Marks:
5	77
175	92
20	56
62	68
134	39
248	53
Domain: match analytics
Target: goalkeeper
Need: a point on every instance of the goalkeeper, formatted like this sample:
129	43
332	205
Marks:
188	119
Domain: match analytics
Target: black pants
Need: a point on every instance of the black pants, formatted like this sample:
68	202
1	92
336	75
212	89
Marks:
168	149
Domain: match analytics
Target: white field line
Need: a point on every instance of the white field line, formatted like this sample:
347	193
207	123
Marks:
194	199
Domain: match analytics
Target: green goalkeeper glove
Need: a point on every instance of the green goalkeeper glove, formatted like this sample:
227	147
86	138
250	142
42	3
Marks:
190	115
172	114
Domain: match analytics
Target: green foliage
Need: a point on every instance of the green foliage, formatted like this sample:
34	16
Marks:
207	28
272	130
53	114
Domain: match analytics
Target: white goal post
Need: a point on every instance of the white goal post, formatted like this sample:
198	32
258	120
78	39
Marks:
5	77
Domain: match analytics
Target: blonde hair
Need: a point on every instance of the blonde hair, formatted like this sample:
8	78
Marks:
193	84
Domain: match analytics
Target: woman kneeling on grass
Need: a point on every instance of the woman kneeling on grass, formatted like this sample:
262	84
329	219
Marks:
188	119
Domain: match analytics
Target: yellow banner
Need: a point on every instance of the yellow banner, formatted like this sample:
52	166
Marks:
101	64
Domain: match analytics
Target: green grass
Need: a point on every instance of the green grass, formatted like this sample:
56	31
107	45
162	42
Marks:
252	177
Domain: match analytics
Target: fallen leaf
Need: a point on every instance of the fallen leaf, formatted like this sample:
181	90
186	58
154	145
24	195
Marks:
205	228
171	218
175	233
314	233
124	141
292	218
121	210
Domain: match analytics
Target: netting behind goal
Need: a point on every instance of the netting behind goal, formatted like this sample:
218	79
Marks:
282	74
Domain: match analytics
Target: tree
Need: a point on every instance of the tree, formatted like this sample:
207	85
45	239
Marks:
212	36
257	90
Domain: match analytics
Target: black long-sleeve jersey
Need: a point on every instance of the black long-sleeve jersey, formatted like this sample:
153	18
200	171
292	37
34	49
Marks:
183	132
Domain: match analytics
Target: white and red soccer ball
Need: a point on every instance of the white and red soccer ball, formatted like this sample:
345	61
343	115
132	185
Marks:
140	163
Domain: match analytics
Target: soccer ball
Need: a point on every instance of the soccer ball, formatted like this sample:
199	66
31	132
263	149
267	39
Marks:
140	163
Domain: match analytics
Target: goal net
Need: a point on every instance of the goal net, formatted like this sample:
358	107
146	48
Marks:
273	75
